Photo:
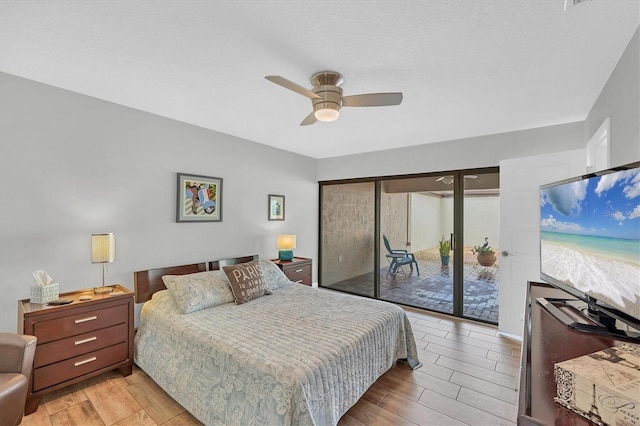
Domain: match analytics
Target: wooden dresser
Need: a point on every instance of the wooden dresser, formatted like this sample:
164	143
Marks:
79	340
297	270
548	341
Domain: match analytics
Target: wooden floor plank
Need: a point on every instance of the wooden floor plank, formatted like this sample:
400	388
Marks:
480	343
416	412
425	329
470	325
377	392
160	406
461	411
511	370
405	388
499	340
183	419
457	345
82	414
141	418
462	356
436	370
374	415
485	402
481	373
112	401
499	392
504	358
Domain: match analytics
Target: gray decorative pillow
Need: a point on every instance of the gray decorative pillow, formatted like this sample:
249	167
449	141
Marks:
247	281
273	275
197	291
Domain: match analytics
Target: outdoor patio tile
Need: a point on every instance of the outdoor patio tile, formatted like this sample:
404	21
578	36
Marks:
433	289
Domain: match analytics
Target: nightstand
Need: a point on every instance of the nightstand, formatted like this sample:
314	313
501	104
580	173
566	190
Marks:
297	270
79	340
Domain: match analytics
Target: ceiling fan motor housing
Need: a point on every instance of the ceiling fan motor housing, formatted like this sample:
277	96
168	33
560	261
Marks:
331	97
325	85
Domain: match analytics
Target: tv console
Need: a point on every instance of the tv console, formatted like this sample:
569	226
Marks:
547	341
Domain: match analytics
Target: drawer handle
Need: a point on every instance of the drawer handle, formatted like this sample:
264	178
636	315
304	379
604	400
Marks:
86	361
299	281
78	321
298	270
90	339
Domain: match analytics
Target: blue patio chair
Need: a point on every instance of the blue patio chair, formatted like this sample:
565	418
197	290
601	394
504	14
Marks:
397	258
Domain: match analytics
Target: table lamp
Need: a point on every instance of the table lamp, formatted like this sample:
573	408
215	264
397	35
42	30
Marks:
286	244
103	250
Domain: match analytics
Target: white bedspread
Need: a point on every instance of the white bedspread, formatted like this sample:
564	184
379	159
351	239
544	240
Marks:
298	356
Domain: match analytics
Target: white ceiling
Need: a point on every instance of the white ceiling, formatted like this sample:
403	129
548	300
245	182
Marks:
466	68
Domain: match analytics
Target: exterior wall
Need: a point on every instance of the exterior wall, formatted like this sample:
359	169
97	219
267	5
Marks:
347	231
427	225
393	223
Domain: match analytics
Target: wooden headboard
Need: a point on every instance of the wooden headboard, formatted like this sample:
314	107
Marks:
148	282
218	264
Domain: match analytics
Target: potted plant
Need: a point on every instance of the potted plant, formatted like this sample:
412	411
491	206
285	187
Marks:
445	250
484	253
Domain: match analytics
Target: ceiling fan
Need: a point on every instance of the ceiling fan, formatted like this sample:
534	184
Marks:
448	180
326	96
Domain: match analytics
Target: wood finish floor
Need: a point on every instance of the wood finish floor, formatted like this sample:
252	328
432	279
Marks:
469	377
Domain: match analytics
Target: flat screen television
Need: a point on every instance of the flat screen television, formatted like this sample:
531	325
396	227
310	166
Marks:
590	248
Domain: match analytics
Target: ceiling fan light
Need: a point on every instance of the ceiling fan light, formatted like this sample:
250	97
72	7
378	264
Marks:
327	114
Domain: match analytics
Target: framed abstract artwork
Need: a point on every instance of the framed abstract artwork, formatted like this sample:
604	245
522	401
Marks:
276	207
199	198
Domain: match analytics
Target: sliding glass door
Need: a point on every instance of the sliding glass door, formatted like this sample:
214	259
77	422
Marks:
416	219
414	240
481	225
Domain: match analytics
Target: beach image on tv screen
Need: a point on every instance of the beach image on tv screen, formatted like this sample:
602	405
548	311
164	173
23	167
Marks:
590	237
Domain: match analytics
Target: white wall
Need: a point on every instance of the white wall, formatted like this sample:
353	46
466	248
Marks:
426	221
432	218
620	100
481	151
71	165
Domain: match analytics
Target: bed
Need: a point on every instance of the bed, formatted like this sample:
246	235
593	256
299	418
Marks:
296	356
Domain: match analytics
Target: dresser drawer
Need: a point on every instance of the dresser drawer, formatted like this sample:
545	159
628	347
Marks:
62	371
51	352
299	272
47	331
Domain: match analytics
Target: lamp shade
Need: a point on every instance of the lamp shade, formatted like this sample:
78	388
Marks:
103	248
286	242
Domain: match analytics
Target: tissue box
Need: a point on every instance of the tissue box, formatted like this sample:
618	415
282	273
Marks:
45	293
603	387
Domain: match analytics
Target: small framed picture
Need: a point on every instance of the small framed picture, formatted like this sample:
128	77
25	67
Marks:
199	198
276	207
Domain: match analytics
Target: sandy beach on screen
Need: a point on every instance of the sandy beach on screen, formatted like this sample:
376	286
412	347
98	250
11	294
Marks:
607	279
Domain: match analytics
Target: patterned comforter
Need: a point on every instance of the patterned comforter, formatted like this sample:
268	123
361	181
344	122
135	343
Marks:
298	356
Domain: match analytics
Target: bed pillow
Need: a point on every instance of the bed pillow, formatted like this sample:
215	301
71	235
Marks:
247	281
201	290
274	276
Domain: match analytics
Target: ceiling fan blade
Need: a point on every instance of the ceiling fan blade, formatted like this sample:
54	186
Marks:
310	119
372	99
287	84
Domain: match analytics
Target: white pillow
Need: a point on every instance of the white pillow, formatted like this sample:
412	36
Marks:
273	275
201	290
